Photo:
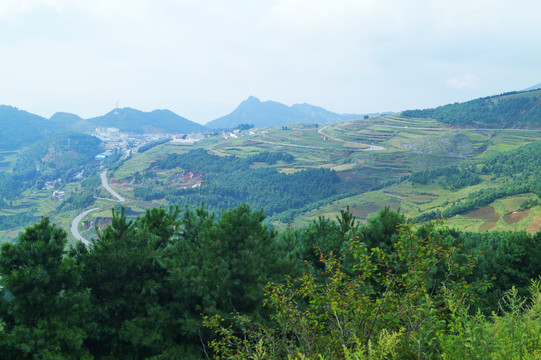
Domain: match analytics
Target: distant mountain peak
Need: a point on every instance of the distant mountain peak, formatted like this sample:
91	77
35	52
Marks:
64	116
271	113
252	99
157	121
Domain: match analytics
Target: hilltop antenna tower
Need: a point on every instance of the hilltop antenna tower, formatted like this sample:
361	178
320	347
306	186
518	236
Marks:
116	109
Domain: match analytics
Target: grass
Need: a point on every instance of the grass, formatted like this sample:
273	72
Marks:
360	171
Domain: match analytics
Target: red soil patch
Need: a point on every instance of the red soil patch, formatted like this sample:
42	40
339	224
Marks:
488	214
487	226
535	226
364	211
515	216
348	175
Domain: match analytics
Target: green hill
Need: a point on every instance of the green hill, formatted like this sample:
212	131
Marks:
421	165
71	122
19	128
136	121
510	110
59	154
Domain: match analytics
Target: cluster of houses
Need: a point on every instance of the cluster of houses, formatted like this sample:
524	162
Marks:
49	185
99	222
59	195
235	134
114	139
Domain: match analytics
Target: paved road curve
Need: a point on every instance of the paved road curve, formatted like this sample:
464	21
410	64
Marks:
105	184
75	226
370	147
78	218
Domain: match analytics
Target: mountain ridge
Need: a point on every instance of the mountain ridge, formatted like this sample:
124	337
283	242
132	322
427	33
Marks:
271	113
137	121
516	109
21	128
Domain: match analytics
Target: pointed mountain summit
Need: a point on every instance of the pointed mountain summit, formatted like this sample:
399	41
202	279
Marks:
136	121
271	113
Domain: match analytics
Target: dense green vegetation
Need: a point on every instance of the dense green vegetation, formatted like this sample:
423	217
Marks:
185	284
522	166
453	177
230	181
152	144
16	221
514	110
202	283
60	156
54	161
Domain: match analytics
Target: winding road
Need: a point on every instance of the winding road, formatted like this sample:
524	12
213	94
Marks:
370	147
78	218
105	184
75	226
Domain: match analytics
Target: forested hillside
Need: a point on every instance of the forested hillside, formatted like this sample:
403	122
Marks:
59	155
520	167
512	110
211	277
136	121
19	128
230	181
55	160
186	284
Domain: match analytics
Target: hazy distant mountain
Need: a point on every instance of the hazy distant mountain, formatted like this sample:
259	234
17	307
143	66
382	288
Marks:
20	128
535	87
71	122
136	121
272	113
65	118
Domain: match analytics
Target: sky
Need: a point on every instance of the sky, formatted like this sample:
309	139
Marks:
201	58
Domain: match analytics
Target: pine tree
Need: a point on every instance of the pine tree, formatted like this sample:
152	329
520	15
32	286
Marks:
44	311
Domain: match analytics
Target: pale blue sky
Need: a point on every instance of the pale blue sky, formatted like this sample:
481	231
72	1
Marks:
201	58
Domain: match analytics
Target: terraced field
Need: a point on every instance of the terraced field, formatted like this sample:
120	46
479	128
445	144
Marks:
370	180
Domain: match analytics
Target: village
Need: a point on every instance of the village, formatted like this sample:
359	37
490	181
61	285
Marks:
114	139
116	142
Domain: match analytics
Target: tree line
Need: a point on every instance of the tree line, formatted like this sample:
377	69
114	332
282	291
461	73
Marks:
521	167
230	181
181	284
489	112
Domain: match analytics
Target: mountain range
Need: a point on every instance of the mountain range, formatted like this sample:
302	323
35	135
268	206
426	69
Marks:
271	113
20	128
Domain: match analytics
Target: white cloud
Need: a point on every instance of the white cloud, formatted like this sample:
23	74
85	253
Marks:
347	55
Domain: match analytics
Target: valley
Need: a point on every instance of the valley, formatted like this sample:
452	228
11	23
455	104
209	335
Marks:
197	236
367	165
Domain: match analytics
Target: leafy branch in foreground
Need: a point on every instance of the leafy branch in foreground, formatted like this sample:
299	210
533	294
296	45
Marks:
402	295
